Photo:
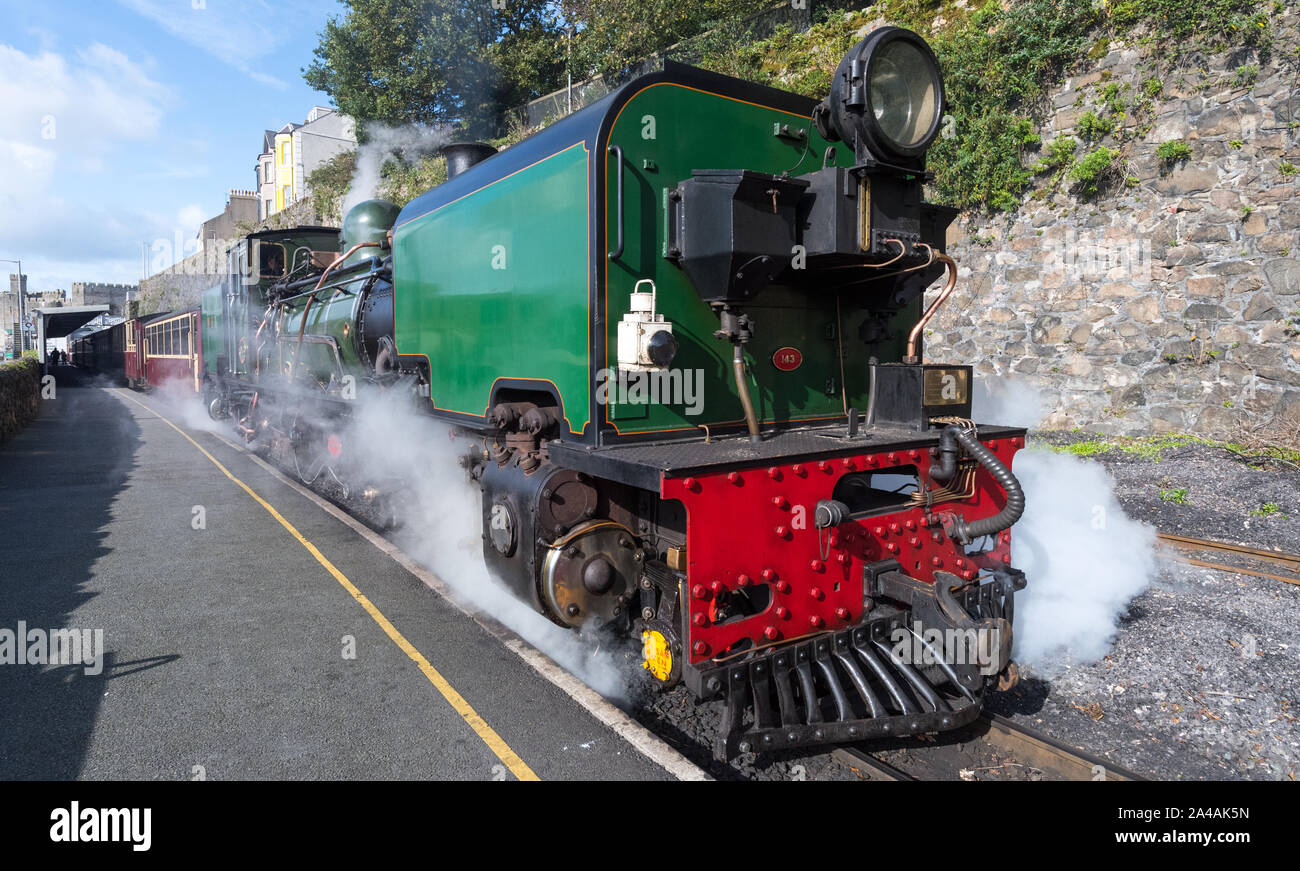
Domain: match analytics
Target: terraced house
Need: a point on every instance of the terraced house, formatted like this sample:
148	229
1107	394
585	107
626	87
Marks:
290	155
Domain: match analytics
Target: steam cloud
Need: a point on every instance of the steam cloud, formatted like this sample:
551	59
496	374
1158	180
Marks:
391	446
384	143
1084	558
1007	402
177	397
442	528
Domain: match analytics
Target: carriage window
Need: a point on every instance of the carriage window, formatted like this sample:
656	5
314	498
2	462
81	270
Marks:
185	336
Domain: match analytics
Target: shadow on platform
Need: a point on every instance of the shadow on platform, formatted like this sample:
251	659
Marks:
58	481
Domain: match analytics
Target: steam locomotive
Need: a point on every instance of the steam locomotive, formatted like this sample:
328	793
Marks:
684	329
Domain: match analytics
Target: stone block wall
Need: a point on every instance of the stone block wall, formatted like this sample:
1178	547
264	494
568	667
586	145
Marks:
1170	302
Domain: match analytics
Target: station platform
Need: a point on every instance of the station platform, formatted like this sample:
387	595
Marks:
224	646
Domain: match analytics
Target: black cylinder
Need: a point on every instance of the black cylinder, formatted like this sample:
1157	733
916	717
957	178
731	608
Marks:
462	155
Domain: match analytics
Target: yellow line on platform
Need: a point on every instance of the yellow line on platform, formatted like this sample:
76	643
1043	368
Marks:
494	741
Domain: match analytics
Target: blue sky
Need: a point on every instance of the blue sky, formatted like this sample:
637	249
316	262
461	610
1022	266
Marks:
124	123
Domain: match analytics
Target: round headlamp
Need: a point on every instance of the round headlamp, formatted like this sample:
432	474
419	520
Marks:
886	98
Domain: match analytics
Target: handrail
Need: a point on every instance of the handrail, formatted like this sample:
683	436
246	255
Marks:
617	151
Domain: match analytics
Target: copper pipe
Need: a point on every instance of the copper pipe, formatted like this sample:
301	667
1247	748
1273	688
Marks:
302	325
902	249
337	260
910	356
839	352
742	389
898	272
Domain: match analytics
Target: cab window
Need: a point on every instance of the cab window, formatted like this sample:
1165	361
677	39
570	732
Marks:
272	260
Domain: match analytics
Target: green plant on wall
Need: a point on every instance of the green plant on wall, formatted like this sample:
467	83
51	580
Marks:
1173	151
1093	171
1093	127
1058	155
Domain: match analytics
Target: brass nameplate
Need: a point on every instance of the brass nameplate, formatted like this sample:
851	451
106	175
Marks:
946	387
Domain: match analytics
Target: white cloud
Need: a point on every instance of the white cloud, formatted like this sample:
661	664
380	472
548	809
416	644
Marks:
60	117
191	216
237	32
102	95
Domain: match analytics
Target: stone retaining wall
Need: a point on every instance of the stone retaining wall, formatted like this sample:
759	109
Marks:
1172	301
20	396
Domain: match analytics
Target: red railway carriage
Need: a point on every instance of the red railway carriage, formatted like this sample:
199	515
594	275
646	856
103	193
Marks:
169	349
133	353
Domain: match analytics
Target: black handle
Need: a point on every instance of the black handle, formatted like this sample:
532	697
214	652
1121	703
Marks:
617	151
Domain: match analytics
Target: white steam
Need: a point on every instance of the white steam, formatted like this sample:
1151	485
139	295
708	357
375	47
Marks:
1083	557
177	398
393	447
384	143
1007	402
442	528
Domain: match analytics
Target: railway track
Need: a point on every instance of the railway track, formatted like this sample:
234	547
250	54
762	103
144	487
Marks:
1238	558
1018	745
1034	751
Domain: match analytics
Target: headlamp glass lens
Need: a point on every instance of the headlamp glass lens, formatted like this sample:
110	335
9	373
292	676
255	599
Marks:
904	92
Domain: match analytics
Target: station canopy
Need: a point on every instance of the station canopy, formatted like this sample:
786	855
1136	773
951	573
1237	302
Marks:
59	321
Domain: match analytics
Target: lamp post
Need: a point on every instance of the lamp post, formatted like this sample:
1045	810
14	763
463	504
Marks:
21	338
568	64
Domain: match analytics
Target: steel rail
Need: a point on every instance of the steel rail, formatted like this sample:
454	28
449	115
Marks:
862	762
1026	746
1288	561
1048	754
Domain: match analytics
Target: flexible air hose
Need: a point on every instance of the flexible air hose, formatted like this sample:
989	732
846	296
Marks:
956	526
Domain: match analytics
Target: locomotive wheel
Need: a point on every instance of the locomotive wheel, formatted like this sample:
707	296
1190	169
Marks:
217	407
590	574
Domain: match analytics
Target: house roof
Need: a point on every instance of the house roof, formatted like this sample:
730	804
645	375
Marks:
268	136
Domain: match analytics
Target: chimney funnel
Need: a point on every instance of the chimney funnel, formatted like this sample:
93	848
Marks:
462	155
